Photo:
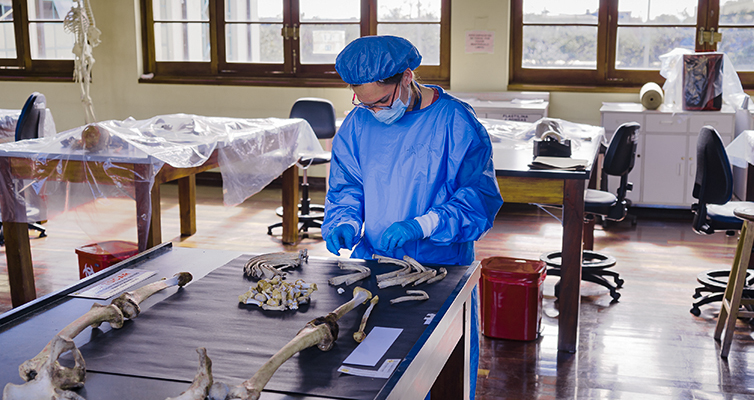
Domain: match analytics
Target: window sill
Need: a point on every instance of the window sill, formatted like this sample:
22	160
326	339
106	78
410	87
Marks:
257	81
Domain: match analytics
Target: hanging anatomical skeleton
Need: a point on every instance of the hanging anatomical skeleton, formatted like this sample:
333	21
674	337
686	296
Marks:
80	22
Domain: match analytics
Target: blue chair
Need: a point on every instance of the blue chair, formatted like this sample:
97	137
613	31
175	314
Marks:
320	114
30	123
713	187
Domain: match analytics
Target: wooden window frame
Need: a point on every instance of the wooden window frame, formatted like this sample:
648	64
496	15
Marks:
606	76
291	73
23	67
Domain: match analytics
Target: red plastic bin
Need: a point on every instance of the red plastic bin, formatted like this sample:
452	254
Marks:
511	297
98	256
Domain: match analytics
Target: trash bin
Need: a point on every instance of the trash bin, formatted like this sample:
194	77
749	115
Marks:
98	256
511	292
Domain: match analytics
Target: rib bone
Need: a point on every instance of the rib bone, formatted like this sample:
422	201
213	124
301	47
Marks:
360	335
417	295
272	264
51	379
322	331
124	306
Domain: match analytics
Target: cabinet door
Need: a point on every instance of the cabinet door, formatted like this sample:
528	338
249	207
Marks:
664	170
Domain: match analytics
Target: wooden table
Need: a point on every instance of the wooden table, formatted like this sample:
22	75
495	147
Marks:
19	164
521	184
437	360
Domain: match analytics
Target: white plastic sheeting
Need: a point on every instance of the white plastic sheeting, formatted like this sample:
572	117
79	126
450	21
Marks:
9	120
251	153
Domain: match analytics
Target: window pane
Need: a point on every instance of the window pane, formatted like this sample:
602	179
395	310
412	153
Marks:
329	10
320	44
426	38
641	48
181	42
50	41
736	12
559	47
408	10
180	10
553	11
254	10
7	34
738	44
657	11
48	9
254	43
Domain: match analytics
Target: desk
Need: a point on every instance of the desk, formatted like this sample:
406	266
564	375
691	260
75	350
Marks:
139	157
432	355
520	184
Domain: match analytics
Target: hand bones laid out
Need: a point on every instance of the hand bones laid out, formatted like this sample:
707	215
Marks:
125	306
273	264
277	294
362	272
322	332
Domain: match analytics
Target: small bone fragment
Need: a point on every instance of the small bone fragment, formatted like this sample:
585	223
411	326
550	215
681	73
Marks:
322	331
442	274
277	294
414	295
51	379
199	388
360	335
124	306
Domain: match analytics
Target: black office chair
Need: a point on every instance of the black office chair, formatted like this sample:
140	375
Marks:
320	113
618	161
31	121
713	187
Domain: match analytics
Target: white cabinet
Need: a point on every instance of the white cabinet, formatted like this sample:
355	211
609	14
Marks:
509	106
665	166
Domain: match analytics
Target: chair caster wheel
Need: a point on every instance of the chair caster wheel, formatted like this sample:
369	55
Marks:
696	311
619	283
615	297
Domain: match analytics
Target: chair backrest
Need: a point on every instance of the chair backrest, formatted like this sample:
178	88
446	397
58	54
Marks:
32	118
621	155
714	176
320	113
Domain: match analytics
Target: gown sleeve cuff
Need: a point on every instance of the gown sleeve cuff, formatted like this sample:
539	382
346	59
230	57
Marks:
428	222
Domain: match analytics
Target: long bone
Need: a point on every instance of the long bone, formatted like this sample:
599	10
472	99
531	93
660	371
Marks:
199	388
322	331
360	335
51	380
124	306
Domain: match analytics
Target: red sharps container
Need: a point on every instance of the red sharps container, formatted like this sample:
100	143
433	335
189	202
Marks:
511	297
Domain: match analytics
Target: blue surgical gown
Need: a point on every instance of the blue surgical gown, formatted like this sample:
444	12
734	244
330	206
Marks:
435	159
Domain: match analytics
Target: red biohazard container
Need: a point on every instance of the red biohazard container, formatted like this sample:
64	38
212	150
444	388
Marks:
511	297
98	256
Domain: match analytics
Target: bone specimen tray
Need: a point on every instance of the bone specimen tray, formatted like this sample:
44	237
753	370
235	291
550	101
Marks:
154	357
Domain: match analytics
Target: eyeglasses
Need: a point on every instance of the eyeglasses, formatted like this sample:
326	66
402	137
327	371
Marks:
372	106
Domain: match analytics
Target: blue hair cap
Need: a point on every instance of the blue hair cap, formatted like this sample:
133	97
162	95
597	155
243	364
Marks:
374	58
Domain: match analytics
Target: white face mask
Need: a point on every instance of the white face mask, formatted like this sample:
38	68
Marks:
395	112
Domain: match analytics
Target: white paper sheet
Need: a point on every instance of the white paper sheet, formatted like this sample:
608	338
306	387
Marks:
115	284
384	372
376	344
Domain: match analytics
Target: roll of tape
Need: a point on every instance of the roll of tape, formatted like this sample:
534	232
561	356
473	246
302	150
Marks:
650	96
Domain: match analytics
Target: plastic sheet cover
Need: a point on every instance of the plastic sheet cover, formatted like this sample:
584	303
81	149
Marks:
671	69
119	156
521	135
9	120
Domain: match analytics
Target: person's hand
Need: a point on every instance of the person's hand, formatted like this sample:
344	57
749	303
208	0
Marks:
401	232
342	237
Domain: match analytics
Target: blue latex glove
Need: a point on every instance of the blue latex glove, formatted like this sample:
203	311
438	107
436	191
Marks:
401	232
342	237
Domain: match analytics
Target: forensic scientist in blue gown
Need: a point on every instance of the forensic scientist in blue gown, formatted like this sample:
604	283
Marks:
411	170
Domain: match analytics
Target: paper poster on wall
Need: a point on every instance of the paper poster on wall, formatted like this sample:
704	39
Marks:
480	42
